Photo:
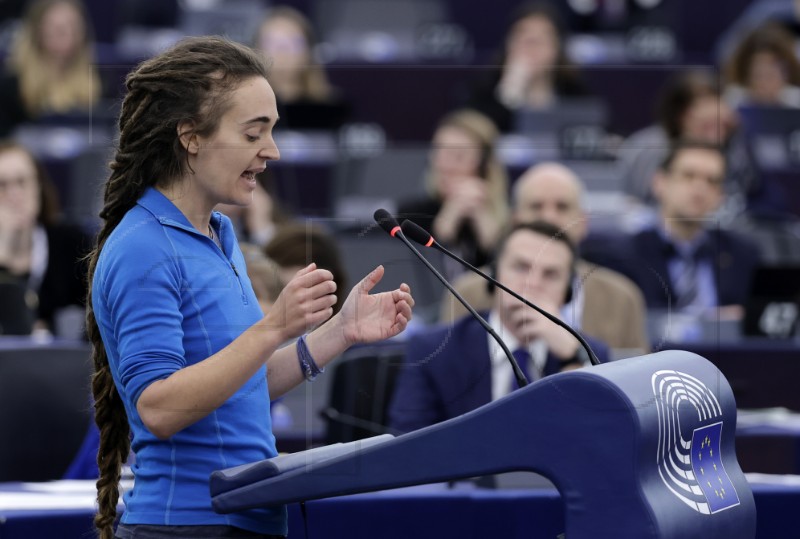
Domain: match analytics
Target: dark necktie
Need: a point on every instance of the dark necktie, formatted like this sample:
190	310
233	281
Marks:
523	358
686	289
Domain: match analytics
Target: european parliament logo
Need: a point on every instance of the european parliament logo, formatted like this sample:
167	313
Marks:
691	467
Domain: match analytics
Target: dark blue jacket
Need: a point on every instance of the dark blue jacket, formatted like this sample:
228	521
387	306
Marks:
447	372
734	260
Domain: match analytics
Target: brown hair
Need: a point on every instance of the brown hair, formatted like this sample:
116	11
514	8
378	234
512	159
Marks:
770	38
263	272
44	89
480	128
49	207
565	73
190	82
299	244
679	95
687	144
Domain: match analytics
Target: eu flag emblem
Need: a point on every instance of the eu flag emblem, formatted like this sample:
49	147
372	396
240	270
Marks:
708	469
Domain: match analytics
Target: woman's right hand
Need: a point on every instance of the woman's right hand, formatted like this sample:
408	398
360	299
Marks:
305	302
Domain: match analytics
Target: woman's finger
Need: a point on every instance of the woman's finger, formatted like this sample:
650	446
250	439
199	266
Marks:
311	267
404	309
323	302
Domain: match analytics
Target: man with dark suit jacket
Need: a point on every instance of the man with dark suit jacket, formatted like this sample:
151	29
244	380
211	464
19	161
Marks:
450	370
686	262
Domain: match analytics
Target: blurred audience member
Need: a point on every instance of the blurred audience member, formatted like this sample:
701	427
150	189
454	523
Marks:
34	247
264	275
51	65
305	97
605	304
450	370
257	222
687	263
757	13
690	107
533	72
467	201
296	245
764	70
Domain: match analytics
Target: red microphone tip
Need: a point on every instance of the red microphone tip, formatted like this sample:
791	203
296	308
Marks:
394	231
430	242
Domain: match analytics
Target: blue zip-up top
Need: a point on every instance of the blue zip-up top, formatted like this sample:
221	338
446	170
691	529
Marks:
165	297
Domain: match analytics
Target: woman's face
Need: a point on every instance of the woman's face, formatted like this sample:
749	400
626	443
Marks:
61	32
225	163
708	119
455	155
285	44
533	43
19	186
767	78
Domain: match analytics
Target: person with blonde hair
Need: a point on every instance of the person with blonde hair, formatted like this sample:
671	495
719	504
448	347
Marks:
305	97
51	64
466	204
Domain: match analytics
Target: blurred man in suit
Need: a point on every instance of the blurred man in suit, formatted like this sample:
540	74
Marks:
452	369
686	262
605	304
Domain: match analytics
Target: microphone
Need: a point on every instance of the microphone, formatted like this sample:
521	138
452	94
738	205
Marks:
415	232
388	223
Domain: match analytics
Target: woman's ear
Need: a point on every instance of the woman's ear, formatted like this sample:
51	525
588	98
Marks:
187	137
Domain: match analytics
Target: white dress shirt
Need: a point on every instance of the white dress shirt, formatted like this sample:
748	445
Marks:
502	373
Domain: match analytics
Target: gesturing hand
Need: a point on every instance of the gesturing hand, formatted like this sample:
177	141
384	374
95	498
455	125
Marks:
369	318
305	302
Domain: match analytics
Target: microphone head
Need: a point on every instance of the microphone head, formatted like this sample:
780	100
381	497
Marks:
415	232
387	222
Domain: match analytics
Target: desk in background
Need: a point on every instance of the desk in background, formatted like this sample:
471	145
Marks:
423	512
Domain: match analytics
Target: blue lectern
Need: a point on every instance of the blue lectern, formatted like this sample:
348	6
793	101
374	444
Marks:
641	447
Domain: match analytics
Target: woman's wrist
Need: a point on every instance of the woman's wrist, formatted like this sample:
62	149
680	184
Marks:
329	340
308	365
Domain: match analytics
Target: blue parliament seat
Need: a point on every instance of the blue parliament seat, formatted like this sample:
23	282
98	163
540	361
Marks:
45	408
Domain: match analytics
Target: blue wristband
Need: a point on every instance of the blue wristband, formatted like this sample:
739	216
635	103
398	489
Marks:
308	366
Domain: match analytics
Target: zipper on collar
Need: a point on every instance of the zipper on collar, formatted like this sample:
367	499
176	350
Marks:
172	223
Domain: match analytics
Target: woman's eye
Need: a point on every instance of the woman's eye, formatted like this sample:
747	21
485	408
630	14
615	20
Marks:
251	138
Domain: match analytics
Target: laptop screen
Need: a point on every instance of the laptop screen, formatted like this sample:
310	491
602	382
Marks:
773	307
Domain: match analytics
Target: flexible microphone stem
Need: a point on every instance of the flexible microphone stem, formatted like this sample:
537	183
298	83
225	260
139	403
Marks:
388	223
332	414
431	242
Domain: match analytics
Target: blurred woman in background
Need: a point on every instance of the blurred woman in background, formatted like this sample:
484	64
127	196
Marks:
534	70
51	65
305	97
42	253
764	70
466	204
690	107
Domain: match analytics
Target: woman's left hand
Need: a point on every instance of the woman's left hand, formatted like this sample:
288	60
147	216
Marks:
369	318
